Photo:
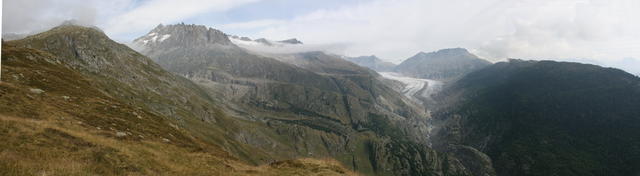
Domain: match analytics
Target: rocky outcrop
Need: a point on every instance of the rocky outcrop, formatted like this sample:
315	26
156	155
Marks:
472	159
406	158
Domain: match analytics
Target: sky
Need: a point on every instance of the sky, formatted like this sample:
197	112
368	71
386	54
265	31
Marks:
603	32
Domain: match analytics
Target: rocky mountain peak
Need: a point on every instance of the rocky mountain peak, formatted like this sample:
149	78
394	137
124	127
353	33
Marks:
69	38
443	64
89	49
291	41
446	52
183	35
264	41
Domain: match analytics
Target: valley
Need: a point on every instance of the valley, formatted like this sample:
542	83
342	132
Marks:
187	99
415	88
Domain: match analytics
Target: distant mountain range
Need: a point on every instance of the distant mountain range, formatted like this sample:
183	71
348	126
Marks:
444	64
193	101
424	74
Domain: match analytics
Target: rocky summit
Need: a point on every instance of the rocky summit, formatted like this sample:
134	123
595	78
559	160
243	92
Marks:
186	35
445	64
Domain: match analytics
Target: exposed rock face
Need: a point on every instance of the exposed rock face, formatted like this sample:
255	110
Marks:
406	158
373	63
309	105
446	64
545	118
475	161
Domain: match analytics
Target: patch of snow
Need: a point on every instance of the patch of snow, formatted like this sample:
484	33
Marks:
164	37
154	38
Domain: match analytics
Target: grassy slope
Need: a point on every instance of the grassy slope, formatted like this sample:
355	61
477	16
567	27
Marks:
70	129
119	72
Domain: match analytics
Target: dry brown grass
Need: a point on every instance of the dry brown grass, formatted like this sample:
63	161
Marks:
40	147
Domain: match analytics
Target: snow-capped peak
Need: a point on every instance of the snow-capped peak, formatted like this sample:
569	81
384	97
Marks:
182	35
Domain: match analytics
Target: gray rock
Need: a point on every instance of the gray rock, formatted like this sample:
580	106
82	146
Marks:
121	134
36	91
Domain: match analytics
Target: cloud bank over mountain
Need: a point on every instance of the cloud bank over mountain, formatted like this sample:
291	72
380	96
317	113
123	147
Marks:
600	30
118	18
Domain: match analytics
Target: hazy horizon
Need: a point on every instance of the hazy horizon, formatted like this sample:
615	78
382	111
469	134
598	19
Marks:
588	31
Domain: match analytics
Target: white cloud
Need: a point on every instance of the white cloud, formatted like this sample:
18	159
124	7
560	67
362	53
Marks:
28	16
152	12
251	24
580	29
115	17
533	29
